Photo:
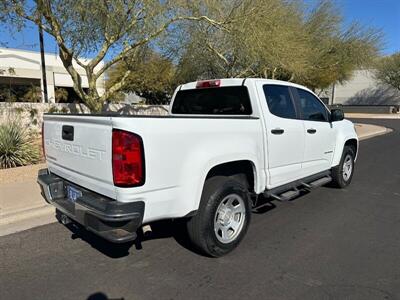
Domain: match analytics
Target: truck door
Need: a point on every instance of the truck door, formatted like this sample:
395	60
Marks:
319	133
285	134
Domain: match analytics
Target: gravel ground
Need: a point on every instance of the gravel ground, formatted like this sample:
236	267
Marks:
25	173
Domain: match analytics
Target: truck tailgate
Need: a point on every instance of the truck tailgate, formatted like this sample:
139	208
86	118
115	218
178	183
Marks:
78	148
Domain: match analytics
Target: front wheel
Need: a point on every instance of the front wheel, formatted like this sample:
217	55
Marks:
223	216
343	173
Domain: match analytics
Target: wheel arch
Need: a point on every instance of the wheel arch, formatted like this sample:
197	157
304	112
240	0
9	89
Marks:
352	143
231	168
241	170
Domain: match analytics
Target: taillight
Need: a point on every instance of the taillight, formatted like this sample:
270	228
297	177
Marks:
44	153
127	159
208	83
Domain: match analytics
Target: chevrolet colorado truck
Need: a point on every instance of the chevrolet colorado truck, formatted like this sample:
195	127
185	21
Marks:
223	143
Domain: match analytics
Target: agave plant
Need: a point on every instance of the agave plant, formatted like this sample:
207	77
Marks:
17	146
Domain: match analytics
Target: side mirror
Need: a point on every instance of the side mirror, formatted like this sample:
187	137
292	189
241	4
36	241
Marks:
337	115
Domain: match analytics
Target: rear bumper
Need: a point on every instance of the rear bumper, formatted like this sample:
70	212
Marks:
114	221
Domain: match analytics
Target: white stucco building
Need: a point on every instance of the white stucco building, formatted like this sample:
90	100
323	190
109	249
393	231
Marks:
22	67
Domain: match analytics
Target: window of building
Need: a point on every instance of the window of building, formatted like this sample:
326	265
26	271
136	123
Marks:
17	89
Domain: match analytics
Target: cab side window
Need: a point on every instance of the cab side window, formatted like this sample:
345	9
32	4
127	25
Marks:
279	101
312	109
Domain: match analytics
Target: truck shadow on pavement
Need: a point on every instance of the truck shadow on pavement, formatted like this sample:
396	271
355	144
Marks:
164	229
160	230
101	296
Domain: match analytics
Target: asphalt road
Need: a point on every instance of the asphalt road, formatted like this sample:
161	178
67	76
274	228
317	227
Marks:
328	244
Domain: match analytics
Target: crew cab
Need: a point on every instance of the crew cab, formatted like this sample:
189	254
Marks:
224	145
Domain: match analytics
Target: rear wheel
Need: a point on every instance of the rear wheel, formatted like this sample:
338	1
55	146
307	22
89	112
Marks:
223	216
343	173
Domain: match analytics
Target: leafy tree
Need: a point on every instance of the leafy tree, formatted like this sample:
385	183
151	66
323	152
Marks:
247	47
388	70
108	31
336	52
151	76
281	40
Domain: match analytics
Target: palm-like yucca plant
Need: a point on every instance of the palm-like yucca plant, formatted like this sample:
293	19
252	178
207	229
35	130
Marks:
17	146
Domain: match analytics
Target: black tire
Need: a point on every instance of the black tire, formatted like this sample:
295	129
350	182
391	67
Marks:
201	226
339	180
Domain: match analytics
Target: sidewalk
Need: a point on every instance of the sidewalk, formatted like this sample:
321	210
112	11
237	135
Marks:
22	207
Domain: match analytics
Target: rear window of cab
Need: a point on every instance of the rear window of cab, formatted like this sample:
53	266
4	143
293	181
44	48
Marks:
231	100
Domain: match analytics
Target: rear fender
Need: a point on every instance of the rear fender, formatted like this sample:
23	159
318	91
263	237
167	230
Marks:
198	184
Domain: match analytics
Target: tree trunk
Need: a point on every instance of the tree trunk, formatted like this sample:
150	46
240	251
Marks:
273	73
93	97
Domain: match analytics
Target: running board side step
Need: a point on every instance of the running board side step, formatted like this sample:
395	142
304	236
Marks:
286	196
319	182
292	190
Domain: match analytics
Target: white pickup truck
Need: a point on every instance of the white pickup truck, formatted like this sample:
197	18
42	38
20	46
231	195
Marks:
224	143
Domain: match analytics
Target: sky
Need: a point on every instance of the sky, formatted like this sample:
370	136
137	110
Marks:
382	14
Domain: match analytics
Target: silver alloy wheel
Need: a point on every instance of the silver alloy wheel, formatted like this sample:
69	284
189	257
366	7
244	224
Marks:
347	167
229	218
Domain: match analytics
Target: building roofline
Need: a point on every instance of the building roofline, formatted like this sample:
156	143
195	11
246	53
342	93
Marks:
26	50
37	52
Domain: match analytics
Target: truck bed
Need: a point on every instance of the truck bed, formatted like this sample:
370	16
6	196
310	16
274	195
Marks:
175	152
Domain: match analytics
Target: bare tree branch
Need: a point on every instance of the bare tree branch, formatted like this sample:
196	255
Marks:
115	88
127	50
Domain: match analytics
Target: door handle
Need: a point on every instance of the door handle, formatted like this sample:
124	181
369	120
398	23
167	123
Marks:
277	131
311	130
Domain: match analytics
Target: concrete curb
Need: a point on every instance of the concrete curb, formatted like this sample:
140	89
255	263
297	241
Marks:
373	131
26	219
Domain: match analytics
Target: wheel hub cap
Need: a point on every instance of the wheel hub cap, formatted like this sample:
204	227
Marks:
229	218
347	167
225	217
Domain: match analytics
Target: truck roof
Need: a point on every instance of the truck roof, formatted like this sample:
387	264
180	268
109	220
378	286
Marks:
240	81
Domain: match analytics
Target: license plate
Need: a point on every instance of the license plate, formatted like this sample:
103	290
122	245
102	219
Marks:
73	193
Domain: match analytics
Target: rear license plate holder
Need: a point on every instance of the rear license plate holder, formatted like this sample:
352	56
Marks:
73	193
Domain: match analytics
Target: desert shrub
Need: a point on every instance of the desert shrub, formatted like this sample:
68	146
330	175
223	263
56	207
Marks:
17	145
33	113
32	94
53	110
65	110
7	95
61	94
